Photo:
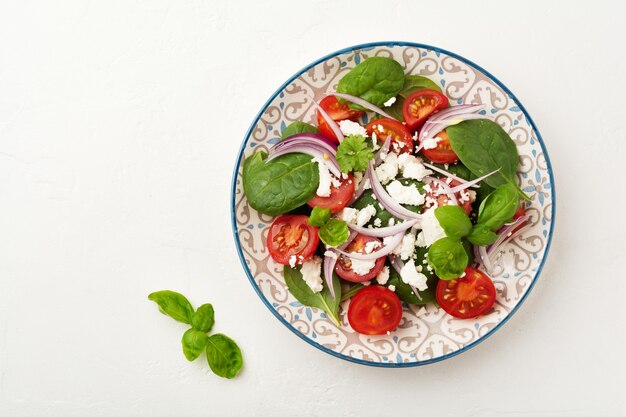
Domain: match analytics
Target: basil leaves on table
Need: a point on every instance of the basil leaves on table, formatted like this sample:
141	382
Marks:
223	354
322	300
280	185
483	147
297	128
376	80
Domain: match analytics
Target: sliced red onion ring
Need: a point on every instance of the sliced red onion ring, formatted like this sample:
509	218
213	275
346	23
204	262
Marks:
470	183
379	253
383	231
445	189
434	124
331	123
397	264
331	260
485	260
306	138
385	199
504	232
358	192
315	152
384	150
447	174
456	110
364	103
493	250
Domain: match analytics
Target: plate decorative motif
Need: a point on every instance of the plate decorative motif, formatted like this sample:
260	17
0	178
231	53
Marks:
426	334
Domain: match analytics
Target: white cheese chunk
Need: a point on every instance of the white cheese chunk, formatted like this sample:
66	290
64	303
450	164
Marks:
383	276
361	267
348	127
412	167
388	169
323	189
348	215
411	276
389	102
311	273
430	143
402	194
365	215
431	229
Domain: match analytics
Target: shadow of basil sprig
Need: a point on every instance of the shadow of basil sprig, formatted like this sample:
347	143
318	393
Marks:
223	354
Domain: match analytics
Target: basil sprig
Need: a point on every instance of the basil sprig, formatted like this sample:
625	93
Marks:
223	354
332	232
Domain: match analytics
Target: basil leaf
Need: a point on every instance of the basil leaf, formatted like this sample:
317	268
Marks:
412	83
448	257
280	185
454	221
194	342
296	128
483	146
499	207
376	80
224	356
353	153
319	216
334	232
322	300
173	304
482	236
204	318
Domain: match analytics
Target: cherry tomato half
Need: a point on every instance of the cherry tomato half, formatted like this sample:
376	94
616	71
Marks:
292	235
420	105
338	198
519	213
401	140
467	297
374	310
337	112
443	153
343	267
433	197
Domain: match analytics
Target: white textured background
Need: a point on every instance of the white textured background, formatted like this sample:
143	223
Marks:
120	122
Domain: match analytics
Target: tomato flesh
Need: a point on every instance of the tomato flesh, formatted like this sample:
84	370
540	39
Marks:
401	140
467	297
337	112
443	153
434	199
338	198
420	105
343	267
292	235
374	310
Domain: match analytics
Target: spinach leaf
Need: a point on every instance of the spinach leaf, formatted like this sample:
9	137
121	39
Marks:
322	300
376	80
482	236
173	304
280	185
319	216
404	290
483	146
412	83
448	257
194	342
454	221
297	128
224	356
334	232
204	318
499	207
353	153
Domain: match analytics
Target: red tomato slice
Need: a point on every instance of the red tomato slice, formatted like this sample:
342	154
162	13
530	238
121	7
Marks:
420	105
432	197
467	297
519	213
374	310
338	198
337	112
343	267
292	235
443	153
401	140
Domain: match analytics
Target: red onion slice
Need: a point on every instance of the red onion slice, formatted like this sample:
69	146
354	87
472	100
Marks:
331	260
437	122
328	159
379	253
383	231
364	103
331	123
358	192
484	258
447	174
384	150
470	183
445	189
385	199
308	138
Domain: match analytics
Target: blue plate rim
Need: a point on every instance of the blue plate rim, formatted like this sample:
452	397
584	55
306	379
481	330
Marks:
234	217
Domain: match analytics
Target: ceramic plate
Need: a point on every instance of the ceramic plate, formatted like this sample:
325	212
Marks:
426	334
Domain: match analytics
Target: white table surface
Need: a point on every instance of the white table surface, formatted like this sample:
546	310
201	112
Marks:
120	122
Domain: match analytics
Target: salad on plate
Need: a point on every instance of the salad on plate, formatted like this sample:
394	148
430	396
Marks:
395	196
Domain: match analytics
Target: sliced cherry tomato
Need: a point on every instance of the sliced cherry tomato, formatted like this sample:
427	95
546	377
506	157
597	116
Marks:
519	213
343	267
434	199
337	112
467	297
338	198
292	235
443	153
374	310
420	105
401	140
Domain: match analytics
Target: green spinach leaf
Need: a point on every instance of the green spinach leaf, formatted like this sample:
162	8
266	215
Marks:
224	356
448	257
322	300
334	232
280	185
483	146
353	153
404	290
412	83
298	127
482	236
173	304
454	221
194	342
319	216
204	318
376	79
499	207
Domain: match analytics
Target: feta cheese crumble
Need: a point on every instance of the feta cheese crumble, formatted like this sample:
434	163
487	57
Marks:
410	276
402	194
389	102
412	167
388	169
392	288
361	267
348	127
365	215
383	276
323	189
430	143
431	229
311	273
348	215
406	248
